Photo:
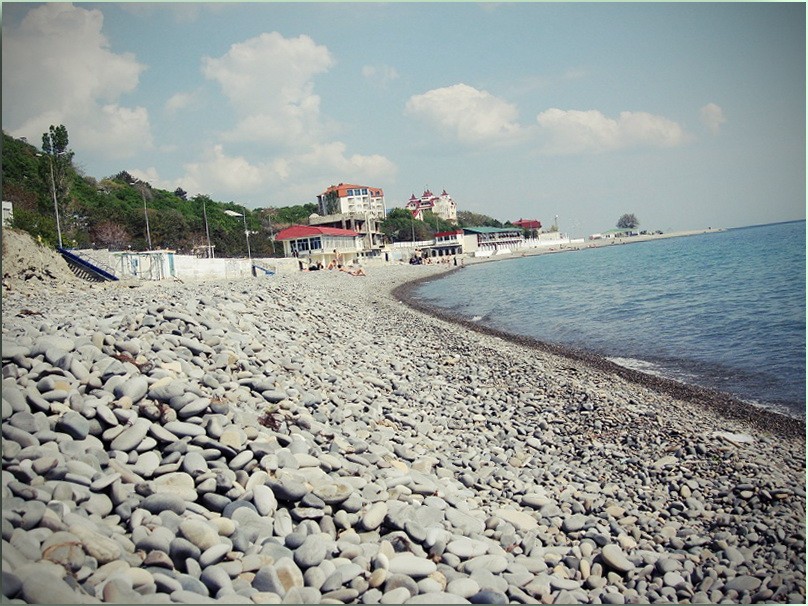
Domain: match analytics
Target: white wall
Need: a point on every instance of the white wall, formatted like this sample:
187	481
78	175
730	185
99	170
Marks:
189	267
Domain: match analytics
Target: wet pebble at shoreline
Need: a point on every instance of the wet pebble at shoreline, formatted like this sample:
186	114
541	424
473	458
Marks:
308	439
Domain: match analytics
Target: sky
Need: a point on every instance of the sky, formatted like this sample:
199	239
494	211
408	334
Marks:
689	115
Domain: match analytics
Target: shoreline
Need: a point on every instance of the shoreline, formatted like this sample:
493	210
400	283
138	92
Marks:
593	244
723	403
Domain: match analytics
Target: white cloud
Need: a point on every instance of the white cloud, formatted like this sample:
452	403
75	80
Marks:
712	116
58	69
232	174
113	130
268	81
179	101
381	74
574	131
472	115
291	177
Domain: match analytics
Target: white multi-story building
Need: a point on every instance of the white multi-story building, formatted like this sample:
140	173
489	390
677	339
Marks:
347	198
443	206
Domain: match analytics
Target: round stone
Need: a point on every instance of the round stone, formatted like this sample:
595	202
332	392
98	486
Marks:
74	425
158	502
615	559
200	533
411	565
312	551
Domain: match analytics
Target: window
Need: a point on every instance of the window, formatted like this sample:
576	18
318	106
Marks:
315	244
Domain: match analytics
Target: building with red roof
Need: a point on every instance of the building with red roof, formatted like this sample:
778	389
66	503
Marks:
443	206
531	224
320	244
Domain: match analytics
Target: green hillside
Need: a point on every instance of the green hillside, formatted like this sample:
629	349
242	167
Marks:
111	212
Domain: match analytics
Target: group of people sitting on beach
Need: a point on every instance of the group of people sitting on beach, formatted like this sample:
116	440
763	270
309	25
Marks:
335	263
444	260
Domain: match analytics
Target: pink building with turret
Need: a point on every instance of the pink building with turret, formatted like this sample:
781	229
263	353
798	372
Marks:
443	206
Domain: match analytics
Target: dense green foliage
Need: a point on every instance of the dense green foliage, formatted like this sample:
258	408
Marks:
111	212
400	226
466	218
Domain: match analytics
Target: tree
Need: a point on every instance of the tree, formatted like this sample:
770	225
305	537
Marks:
628	221
181	193
125	177
59	160
466	218
438	223
292	215
112	235
331	200
400	226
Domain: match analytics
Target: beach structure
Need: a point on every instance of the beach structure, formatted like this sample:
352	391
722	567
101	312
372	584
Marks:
365	224
145	265
443	206
8	212
476	241
614	233
447	243
532	225
314	244
352	199
486	241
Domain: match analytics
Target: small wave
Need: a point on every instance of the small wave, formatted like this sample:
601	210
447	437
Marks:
476	318
639	365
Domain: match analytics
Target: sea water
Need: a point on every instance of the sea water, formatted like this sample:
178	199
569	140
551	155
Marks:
723	310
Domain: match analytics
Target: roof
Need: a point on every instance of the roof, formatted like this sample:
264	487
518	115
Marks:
342	189
489	230
449	233
305	231
528	223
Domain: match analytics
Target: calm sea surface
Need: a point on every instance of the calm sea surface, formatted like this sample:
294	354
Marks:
724	310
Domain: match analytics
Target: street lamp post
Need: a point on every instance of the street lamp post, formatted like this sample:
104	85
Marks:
146	213
243	215
53	192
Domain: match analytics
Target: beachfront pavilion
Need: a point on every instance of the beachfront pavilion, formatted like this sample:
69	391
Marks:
317	244
447	243
491	240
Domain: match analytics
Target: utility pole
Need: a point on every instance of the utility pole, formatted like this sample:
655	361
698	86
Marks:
55	204
53	193
146	213
207	231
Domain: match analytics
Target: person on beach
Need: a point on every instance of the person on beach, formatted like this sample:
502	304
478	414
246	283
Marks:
354	272
337	259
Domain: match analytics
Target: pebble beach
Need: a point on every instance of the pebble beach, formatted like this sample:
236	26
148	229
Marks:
311	438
